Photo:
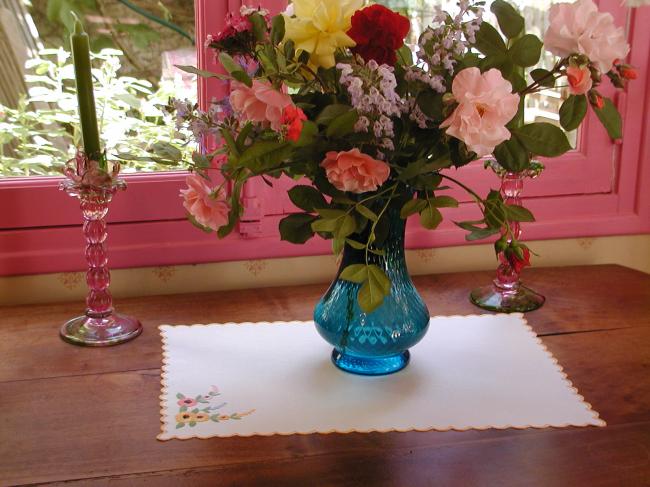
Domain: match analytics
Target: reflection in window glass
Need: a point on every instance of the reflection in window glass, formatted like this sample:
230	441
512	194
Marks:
135	48
540	107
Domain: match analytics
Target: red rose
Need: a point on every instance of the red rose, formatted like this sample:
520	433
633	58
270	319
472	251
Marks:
517	263
292	118
629	73
378	32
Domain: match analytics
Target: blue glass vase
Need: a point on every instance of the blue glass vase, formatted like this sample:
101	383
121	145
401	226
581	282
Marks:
374	343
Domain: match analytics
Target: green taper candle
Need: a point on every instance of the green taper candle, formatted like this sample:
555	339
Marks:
85	96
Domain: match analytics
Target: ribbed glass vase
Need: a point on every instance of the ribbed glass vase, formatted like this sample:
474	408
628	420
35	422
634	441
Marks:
374	343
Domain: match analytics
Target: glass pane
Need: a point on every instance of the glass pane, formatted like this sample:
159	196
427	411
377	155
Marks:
540	107
133	56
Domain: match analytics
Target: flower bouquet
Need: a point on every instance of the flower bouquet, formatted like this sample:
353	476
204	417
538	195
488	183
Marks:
328	91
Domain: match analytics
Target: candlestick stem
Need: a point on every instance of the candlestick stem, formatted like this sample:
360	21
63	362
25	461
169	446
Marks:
100	325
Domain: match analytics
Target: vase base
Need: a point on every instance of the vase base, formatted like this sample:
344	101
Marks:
370	366
493	299
101	332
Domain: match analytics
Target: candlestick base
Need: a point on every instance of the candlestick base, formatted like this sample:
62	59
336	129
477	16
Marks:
105	331
520	299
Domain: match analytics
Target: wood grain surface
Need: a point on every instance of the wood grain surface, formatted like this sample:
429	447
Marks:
82	416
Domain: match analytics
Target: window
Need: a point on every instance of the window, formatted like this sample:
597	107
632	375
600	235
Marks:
594	190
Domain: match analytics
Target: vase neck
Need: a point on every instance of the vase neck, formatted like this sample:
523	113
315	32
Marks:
390	243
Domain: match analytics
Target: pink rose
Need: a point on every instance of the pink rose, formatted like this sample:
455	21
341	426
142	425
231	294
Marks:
208	208
579	79
259	103
485	105
579	28
354	171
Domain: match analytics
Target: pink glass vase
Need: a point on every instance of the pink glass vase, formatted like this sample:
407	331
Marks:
100	326
506	293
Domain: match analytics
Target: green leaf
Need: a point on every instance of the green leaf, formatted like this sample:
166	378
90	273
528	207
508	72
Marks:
354	244
309	131
489	41
324	225
343	124
430	217
346	226
444	202
200	72
573	111
244	133
511	155
306	198
372	292
330	112
296	228
234	69
367	212
542	138
610	118
259	26
518	213
330	213
430	103
355	273
405	56
544	77
526	50
481	234
167	151
180	396
412	207
510	21
265	155
277	29
380	276
180	425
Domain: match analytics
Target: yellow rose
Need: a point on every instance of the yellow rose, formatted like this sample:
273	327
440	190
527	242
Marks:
319	27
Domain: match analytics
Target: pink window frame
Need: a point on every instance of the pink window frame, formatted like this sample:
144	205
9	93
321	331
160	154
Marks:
40	226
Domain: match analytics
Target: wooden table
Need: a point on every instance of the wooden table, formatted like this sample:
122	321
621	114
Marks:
84	416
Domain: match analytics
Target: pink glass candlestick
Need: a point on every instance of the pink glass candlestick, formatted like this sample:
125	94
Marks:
506	293
100	326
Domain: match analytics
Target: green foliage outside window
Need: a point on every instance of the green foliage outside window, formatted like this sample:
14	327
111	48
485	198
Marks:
42	133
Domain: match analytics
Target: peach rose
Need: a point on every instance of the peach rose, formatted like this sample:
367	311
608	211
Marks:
259	103
579	28
208	208
579	80
354	171
485	105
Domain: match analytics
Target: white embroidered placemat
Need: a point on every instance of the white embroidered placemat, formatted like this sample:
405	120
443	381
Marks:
469	372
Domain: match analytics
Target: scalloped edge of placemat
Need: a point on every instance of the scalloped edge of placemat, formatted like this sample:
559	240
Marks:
560	369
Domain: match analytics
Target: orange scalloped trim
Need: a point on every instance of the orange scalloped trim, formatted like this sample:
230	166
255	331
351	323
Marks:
560	369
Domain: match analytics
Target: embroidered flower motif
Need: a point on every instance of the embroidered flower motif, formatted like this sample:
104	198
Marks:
185	417
201	417
208	413
188	402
